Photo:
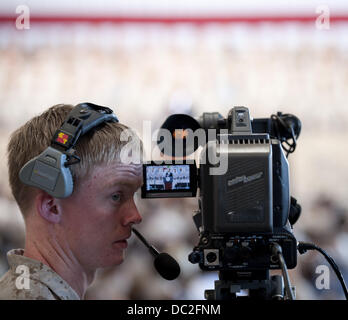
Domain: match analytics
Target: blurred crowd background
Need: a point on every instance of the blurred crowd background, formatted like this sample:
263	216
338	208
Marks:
149	70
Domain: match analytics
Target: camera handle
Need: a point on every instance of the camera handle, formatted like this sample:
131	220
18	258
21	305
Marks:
259	283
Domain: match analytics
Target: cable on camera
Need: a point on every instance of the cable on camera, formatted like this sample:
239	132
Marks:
281	125
277	250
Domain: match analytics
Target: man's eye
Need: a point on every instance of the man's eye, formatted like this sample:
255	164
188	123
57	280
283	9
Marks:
116	197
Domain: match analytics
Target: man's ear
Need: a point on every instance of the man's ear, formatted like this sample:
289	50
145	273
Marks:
47	207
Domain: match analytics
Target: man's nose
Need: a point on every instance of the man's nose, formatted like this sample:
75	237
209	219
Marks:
132	215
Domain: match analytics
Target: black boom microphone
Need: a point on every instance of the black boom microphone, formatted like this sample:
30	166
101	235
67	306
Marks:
165	264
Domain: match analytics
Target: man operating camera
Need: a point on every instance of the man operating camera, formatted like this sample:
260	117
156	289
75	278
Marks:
68	239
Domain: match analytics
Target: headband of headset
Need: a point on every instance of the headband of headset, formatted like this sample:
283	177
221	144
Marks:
50	171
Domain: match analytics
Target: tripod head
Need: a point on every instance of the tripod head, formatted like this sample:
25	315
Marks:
258	283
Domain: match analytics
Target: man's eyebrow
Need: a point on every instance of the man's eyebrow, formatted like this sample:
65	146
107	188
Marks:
125	183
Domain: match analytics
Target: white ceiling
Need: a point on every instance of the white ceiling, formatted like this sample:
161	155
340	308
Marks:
175	7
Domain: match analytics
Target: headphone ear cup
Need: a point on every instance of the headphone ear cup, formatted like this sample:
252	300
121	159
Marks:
49	173
65	183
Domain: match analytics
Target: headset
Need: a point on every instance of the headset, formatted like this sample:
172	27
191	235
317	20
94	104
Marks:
50	170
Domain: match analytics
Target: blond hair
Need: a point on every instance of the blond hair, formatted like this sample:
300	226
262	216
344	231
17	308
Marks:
99	146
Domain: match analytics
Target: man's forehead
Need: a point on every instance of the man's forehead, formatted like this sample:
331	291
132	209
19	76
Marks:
114	173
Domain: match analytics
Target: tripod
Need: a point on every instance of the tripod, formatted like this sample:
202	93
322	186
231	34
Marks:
259	283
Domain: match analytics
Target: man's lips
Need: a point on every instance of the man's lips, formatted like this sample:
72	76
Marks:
123	242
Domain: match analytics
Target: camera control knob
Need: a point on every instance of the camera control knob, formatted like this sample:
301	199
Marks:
195	257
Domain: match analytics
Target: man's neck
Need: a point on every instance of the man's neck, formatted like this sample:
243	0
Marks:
61	260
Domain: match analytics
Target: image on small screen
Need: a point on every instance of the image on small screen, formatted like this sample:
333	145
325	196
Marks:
168	177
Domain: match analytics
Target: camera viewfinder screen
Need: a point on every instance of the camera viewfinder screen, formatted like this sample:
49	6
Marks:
168	177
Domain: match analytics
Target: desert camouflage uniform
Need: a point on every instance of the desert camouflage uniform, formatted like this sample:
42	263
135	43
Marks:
29	279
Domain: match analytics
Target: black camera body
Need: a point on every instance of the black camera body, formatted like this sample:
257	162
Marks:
244	197
244	211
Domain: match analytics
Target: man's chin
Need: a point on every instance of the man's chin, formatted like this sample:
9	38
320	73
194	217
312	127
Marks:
115	260
111	258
